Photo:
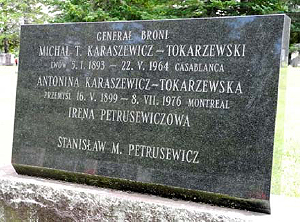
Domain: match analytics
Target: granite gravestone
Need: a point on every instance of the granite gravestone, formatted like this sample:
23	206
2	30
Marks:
177	108
5	59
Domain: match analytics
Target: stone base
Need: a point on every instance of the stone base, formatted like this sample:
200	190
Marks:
24	198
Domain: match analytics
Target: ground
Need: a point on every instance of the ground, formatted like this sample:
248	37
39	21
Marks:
286	176
290	162
8	80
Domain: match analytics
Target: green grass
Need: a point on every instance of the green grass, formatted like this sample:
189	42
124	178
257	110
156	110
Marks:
290	177
286	158
279	134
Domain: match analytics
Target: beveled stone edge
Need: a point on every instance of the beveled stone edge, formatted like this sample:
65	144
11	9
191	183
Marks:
159	20
262	206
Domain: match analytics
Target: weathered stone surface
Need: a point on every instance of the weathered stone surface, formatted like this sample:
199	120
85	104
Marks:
190	114
25	199
30	199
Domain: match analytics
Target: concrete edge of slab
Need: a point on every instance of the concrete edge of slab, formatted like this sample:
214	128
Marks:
24	198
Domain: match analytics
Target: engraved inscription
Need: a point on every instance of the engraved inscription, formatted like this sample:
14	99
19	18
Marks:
140	87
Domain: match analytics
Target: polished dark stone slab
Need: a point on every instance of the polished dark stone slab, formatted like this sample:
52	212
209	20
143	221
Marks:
177	108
